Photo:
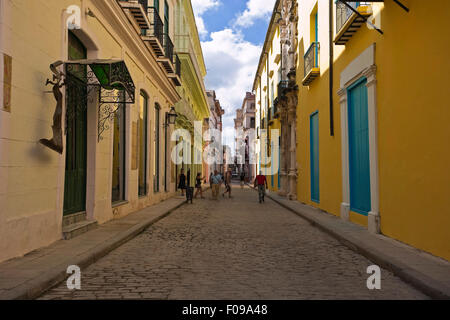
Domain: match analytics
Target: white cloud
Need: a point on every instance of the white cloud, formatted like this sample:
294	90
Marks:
256	9
200	7
231	62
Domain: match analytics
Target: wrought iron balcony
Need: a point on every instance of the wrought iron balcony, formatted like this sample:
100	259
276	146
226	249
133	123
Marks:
348	21
276	108
155	34
312	70
137	9
176	77
167	60
144	4
168	47
282	85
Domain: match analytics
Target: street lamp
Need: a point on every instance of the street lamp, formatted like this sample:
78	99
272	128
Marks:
171	117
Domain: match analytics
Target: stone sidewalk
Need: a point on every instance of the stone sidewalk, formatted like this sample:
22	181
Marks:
29	276
425	272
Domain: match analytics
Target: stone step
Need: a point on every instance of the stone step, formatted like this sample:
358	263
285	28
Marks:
76	229
73	218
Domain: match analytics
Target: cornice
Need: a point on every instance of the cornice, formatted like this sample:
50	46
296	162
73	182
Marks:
119	24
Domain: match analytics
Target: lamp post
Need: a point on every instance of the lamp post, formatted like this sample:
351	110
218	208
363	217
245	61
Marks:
171	118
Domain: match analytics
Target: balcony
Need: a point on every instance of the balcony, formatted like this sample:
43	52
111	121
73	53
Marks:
138	11
348	22
312	70
176	76
282	86
154	36
167	60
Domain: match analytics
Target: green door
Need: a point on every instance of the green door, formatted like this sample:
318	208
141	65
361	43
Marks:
76	142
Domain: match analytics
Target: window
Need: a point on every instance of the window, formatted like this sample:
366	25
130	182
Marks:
143	130
156	144
272	90
118	169
156	4
252	123
166	18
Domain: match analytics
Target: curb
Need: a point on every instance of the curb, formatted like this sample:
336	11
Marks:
46	281
422	282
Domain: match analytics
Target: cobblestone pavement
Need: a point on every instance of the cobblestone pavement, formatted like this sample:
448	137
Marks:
233	249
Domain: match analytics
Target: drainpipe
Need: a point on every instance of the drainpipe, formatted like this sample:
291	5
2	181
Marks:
268	100
331	67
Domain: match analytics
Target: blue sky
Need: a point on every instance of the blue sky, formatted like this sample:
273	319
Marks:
232	33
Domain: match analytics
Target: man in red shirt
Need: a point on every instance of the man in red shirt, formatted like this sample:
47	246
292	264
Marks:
261	183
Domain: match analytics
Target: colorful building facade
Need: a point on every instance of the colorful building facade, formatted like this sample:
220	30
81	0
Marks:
92	143
266	88
193	106
371	131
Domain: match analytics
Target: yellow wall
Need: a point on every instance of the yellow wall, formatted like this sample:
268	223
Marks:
32	176
413	154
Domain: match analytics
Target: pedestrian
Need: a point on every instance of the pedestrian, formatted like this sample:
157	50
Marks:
261	184
182	182
242	179
227	180
210	180
216	180
198	186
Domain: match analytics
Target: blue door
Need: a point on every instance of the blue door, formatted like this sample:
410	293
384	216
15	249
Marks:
314	154
359	163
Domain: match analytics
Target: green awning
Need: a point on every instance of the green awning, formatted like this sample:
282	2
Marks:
109	74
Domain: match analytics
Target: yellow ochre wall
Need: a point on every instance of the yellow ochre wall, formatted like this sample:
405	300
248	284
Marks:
32	176
412	108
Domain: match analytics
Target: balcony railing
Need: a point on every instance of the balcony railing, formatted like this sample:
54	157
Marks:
156	24
177	63
144	4
312	58
347	21
282	85
168	47
311	63
343	12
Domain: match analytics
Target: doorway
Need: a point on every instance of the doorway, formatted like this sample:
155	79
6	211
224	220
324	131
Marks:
359	161
76	131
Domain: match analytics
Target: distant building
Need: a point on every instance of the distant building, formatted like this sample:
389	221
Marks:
245	120
213	122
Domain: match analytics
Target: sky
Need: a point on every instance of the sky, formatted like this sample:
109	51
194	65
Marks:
232	33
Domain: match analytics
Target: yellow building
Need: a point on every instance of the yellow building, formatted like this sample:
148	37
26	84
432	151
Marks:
108	157
193	107
372	142
266	86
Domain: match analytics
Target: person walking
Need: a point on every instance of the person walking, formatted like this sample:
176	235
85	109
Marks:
182	182
227	184
198	186
242	179
261	184
216	180
210	180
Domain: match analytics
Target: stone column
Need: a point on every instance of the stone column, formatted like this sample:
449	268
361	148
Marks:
283	153
293	151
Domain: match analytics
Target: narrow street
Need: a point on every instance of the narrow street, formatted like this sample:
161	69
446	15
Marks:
233	249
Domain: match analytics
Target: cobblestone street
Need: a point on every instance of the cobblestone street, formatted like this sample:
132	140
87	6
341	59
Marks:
233	249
